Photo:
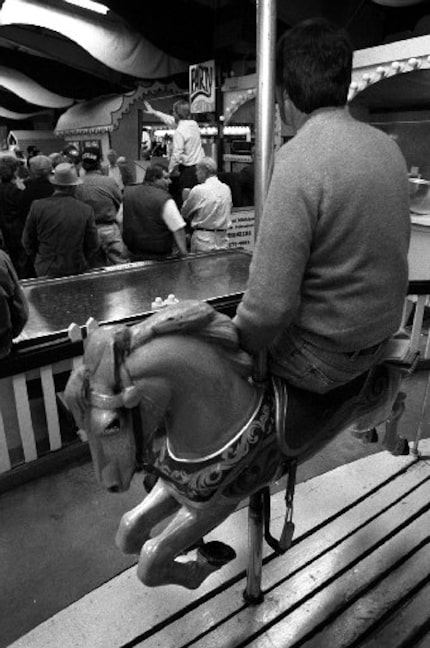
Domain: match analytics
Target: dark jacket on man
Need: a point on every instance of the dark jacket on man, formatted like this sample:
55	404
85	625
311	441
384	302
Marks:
35	189
60	233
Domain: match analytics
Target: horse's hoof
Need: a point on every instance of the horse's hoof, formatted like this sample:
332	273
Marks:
401	448
216	553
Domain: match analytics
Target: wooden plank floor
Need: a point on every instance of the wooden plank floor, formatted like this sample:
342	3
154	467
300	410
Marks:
357	576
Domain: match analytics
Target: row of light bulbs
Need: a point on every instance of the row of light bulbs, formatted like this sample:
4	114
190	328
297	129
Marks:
383	71
236	103
209	130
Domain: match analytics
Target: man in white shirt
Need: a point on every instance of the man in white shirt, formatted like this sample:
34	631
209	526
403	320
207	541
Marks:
152	223
187	149
208	207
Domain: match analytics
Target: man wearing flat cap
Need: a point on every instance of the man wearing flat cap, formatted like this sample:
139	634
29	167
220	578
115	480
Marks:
60	232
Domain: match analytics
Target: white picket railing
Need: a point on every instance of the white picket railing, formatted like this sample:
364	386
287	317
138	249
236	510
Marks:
15	407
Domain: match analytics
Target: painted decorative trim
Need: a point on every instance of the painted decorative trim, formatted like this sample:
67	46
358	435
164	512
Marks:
85	131
147	91
150	90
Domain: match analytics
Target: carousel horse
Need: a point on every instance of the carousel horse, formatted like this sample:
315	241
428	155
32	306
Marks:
174	393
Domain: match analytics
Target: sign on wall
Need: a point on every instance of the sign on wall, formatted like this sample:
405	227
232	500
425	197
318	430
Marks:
202	87
241	233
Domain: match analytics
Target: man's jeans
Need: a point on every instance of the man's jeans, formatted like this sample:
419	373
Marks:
306	365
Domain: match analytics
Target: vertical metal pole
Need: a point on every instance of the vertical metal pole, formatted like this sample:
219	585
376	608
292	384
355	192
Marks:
265	102
253	594
264	127
264	122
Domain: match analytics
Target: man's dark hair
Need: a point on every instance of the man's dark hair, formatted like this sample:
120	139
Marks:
314	64
154	172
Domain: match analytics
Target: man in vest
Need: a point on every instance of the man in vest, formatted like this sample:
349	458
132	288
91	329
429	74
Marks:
152	223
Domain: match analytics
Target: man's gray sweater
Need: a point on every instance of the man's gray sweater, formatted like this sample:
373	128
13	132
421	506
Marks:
331	254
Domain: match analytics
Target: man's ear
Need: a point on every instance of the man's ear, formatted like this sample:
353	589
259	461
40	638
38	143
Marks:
289	113
280	96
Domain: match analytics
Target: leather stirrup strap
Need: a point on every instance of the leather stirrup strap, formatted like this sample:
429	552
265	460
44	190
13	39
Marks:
284	543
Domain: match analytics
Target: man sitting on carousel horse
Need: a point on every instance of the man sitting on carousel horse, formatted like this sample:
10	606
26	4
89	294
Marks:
329	272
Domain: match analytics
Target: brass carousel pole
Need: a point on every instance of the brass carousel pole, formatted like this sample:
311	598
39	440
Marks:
264	127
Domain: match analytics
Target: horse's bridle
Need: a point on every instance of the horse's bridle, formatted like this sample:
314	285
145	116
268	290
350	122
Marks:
128	398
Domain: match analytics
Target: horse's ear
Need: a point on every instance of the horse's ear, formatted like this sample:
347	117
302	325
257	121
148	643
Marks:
122	341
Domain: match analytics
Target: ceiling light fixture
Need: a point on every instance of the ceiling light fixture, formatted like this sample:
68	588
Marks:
90	5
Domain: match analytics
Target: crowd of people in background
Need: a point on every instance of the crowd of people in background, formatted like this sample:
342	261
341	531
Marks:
72	211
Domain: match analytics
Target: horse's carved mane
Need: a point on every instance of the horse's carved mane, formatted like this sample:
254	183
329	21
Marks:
198	319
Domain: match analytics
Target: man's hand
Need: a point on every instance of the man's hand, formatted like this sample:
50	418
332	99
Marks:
148	107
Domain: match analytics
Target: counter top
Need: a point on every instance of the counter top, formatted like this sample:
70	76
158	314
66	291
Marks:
125	293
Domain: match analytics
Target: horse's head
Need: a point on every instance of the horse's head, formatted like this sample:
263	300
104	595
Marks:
100	395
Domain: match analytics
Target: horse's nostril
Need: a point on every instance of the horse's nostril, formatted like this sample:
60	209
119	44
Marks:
113	489
113	428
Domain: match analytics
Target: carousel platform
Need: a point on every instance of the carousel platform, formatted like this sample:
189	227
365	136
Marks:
356	576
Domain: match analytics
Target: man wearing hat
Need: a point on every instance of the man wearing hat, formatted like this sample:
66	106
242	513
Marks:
104	196
38	184
60	232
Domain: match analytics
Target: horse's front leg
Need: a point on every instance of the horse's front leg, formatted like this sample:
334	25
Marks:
136	525
157	562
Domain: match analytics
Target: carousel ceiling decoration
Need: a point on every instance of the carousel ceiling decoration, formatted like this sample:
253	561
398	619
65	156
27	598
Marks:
90	5
108	40
71	50
30	91
9	114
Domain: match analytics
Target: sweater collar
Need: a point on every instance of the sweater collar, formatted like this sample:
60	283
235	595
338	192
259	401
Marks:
330	112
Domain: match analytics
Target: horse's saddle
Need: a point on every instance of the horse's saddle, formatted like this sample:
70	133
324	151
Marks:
304	418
